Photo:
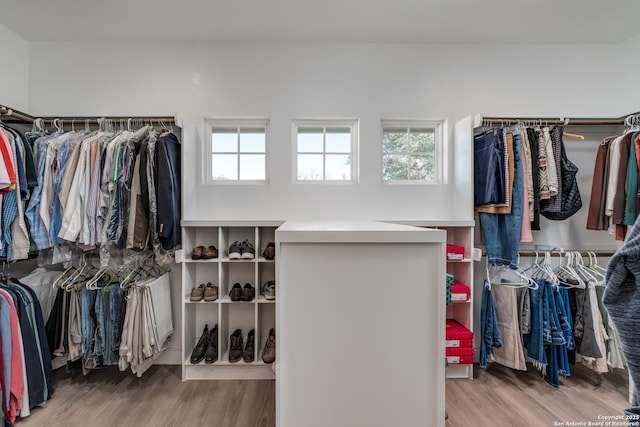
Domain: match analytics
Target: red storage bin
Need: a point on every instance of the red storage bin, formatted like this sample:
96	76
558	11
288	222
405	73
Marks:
455	253
460	292
459	355
455	331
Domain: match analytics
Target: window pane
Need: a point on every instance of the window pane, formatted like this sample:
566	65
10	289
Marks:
394	167
252	140
224	140
422	168
338	140
310	167
422	141
310	140
395	140
252	166
224	166
338	167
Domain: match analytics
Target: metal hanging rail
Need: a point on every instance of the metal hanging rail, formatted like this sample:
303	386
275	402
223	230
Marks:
10	114
561	120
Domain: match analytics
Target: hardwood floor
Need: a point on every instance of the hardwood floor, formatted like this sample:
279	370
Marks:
497	396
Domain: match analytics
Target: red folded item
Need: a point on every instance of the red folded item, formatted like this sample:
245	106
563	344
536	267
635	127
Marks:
455	331
459	292
455	252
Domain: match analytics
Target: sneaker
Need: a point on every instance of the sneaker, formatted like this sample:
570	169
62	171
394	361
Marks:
269	353
197	293
269	290
235	250
210	252
235	348
270	251
211	354
236	292
210	292
248	252
247	356
248	293
200	349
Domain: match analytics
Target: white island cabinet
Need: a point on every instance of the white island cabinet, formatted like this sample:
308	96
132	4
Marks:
360	319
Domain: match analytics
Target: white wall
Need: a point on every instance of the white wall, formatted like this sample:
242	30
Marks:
285	81
14	84
629	64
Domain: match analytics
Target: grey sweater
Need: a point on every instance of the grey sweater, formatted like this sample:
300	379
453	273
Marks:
622	298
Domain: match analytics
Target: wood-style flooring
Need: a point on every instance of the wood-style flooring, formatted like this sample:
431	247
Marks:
497	396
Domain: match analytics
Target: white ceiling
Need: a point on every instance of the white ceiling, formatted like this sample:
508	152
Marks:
425	21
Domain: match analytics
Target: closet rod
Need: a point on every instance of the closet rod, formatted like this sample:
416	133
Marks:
554	121
531	254
11	113
557	254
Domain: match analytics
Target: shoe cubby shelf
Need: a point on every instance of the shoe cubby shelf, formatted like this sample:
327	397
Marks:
258	314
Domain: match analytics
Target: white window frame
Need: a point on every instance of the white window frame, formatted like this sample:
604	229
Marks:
231	122
440	146
351	123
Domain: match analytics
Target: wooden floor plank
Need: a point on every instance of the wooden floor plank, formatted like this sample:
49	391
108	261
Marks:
497	396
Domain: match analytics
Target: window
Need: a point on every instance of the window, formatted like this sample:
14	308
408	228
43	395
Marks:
238	150
326	150
411	151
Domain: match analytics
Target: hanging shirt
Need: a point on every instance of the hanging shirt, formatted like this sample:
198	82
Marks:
37	228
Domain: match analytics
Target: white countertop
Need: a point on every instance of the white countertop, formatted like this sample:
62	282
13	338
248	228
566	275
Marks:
355	232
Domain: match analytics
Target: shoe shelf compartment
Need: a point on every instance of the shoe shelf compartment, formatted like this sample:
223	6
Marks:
257	314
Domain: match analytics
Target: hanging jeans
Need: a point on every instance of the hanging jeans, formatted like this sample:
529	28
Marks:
489	333
489	152
502	231
534	341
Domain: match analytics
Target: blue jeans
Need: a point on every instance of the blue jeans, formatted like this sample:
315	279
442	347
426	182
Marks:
534	341
114	325
100	334
490	169
502	231
87	312
489	332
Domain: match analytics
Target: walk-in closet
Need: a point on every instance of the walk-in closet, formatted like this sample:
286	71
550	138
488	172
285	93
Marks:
319	214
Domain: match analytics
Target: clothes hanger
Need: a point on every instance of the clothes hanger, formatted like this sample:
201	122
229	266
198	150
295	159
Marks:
525	280
565	272
578	265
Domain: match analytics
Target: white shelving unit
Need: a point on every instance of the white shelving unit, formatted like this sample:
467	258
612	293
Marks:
258	314
459	233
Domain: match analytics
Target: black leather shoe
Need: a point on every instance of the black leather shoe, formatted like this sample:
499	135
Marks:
211	355
235	349
248	356
200	349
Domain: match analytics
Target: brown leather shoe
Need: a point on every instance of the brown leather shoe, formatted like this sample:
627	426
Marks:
236	292
196	253
210	292
269	353
270	251
197	293
248	293
247	356
235	347
210	252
